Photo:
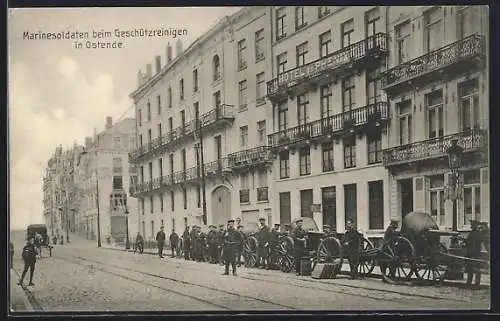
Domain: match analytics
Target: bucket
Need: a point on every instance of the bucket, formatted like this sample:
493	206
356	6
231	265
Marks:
305	266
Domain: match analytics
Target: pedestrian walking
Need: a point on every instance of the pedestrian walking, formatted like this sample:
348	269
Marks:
263	243
186	243
11	251
351	242
232	239
139	243
160	240
29	257
174	242
473	245
299	236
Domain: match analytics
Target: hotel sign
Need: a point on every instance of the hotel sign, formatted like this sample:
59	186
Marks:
311	70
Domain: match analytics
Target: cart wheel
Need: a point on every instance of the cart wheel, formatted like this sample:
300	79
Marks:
330	251
429	270
367	258
397	260
286	261
250	251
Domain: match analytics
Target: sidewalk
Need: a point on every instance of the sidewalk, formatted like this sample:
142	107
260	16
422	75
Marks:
18	299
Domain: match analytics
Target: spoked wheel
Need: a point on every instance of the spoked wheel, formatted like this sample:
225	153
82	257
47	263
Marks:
430	270
330	251
286	260
397	260
206	253
250	251
367	260
274	258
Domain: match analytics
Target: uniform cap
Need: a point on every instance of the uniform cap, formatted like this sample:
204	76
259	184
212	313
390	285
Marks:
394	220
221	225
230	221
262	219
299	220
240	226
212	226
474	222
349	221
326	226
276	224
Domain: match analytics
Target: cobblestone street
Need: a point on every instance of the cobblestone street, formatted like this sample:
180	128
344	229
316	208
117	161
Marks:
81	277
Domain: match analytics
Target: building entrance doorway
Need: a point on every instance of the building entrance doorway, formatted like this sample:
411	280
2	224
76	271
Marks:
406	196
221	205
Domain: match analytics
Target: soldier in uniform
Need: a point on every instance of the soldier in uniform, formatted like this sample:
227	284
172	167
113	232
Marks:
351	242
299	236
174	242
139	243
160	240
263	243
220	244
274	240
473	250
239	251
391	231
287	229
193	242
29	254
199	244
232	240
212	244
186	243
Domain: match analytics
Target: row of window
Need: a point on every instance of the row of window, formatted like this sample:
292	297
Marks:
329	204
374	147
469	112
162	201
259	50
373	93
260	92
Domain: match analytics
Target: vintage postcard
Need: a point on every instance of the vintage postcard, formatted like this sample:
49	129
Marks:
249	158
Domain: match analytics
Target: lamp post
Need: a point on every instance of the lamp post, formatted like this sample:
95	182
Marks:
455	153
127	241
202	166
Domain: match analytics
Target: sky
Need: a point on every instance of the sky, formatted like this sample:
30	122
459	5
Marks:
58	94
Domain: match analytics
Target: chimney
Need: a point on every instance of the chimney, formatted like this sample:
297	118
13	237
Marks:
149	72
88	142
169	53
178	48
139	78
157	64
109	122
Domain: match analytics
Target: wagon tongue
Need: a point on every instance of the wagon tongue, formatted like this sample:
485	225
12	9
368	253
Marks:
443	233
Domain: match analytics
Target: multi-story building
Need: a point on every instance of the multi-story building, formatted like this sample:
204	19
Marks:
437	83
50	211
328	116
104	175
219	80
359	107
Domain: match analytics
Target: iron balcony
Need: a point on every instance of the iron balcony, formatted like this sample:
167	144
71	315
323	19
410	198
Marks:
218	117
472	140
354	56
349	122
249	158
455	58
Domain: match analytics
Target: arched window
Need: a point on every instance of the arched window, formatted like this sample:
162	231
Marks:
216	68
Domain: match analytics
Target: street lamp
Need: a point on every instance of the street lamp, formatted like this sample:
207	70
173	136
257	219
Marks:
455	153
127	241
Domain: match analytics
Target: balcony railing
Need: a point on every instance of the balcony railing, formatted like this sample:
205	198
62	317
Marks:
262	194
433	148
435	60
207	120
244	196
372	114
339	58
249	157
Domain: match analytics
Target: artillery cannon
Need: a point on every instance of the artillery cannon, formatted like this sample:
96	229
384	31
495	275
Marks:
250	243
417	252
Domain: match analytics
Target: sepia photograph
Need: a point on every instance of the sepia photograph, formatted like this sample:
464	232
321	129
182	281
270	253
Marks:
263	158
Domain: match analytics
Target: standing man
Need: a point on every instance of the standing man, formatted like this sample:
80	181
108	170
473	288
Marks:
139	243
263	243
391	231
174	242
351	242
192	243
186	242
240	247
232	240
274	240
473	250
29	257
220	245
299	236
212	243
160	240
